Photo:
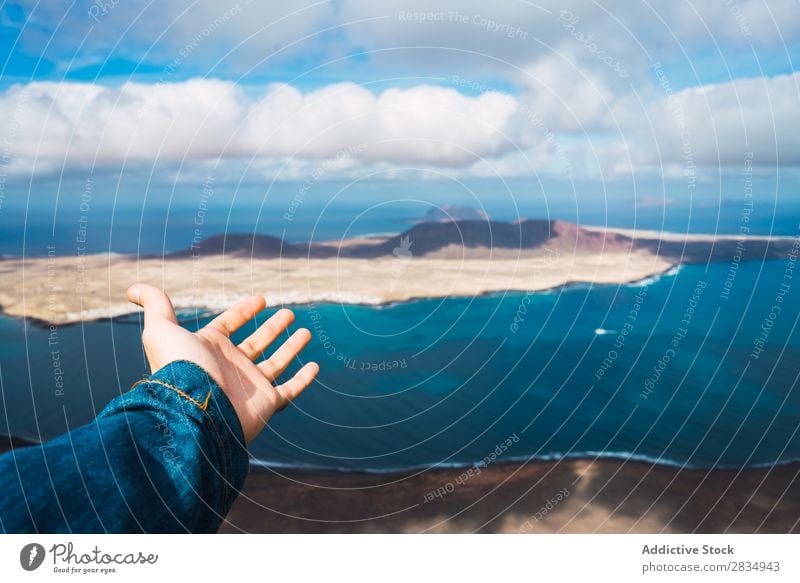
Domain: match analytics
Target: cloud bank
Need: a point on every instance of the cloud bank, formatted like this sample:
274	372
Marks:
561	118
204	119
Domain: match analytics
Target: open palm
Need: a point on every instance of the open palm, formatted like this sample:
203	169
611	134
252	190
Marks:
250	387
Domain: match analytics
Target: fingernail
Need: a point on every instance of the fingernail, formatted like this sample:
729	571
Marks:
136	292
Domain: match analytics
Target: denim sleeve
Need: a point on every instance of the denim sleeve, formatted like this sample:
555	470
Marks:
167	456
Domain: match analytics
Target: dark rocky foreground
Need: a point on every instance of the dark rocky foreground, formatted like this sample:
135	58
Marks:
575	496
611	496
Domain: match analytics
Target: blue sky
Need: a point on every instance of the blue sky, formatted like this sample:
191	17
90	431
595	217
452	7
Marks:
411	90
72	54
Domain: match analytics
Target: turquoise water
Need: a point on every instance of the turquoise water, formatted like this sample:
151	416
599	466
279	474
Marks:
693	379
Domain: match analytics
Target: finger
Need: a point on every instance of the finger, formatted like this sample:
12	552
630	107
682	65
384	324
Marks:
237	315
266	334
157	305
290	390
277	363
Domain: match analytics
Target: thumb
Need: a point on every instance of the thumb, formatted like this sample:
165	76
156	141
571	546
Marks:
157	305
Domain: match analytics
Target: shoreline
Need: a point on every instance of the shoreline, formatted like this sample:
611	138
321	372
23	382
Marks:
567	496
45	295
571	496
673	236
8	442
206	312
430	260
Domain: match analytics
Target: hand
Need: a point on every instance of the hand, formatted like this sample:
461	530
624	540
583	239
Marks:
249	386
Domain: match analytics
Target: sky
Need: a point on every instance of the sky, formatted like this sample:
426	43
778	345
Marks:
680	93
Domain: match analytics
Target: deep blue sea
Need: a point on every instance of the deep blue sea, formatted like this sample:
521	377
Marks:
667	370
157	226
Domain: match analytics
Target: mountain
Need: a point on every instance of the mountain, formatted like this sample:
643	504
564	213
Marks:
254	245
485	239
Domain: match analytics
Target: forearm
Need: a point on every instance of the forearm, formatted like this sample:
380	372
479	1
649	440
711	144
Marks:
167	456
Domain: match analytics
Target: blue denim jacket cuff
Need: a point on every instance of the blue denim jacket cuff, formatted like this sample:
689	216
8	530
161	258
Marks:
206	402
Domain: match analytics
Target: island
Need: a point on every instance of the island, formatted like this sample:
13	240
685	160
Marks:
431	259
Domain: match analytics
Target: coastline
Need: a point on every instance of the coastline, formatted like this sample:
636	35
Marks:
567	496
430	260
208	311
570	496
672	236
8	442
70	290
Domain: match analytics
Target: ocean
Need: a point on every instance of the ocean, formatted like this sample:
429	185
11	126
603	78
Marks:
69	225
697	367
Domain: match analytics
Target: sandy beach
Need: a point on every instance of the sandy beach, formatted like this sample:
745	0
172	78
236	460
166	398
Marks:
648	234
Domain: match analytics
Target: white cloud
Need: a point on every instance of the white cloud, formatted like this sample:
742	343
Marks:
722	122
81	122
478	36
565	95
464	36
561	121
202	118
770	22
423	124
